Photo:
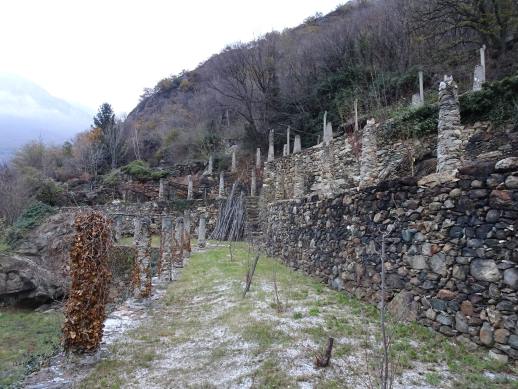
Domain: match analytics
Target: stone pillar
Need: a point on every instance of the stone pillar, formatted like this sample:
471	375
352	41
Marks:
258	158
164	267
449	131
297	147
328	183
298	180
288	141
162	189
178	243
189	187
285	151
328	133
211	164
187	233
136	230
202	231
324	127
143	261
117	227
421	87
356	126
221	191
483	61
271	151
253	184
233	168
479	74
368	162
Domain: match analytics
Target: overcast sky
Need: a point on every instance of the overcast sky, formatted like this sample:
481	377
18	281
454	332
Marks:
91	51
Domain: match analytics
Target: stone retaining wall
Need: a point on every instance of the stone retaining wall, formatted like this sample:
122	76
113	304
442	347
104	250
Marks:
452	250
154	209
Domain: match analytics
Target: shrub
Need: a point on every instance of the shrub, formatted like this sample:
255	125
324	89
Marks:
31	217
49	192
113	178
141	171
411	123
496	102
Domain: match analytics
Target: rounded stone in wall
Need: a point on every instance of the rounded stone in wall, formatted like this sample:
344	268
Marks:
485	270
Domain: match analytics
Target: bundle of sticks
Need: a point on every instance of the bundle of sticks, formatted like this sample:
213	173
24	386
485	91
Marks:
231	218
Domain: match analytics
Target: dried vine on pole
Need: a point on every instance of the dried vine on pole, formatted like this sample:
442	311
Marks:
85	307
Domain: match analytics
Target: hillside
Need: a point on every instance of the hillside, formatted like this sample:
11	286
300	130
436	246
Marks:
368	50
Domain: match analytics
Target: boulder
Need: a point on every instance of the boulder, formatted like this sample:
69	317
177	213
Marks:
24	282
36	271
403	306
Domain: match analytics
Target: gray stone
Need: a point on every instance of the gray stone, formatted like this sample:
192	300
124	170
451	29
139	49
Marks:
430	314
408	234
461	323
438	305
438	264
403	306
501	335
417	262
501	358
486	334
512	182
456	232
513	341
492	216
455	193
444	319
485	270
459	272
506	164
337	283
511	277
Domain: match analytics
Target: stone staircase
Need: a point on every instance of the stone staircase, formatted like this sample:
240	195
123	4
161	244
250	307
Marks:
252	227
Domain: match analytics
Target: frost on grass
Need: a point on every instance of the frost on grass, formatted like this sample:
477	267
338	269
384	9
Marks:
201	332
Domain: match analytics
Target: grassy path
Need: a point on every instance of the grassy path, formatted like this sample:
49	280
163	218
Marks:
203	333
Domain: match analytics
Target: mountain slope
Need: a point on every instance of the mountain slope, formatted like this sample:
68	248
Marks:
28	112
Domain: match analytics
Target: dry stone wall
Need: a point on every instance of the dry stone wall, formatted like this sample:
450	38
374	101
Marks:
452	250
124	213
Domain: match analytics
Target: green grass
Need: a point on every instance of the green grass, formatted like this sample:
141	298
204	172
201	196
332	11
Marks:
26	339
211	279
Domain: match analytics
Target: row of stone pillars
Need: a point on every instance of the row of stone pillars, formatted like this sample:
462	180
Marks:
448	144
174	246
